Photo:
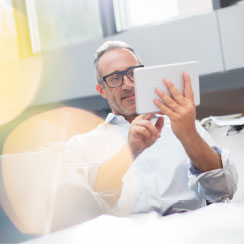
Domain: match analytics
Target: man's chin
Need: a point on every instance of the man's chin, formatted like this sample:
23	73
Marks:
129	104
131	110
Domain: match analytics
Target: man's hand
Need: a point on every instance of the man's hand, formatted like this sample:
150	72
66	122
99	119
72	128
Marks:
143	134
182	112
179	108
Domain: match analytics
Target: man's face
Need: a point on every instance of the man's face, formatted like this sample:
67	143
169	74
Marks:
121	99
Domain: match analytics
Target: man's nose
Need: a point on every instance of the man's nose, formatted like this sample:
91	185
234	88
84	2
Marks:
127	83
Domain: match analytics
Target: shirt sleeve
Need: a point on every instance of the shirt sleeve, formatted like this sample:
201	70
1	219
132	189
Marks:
215	185
78	169
81	172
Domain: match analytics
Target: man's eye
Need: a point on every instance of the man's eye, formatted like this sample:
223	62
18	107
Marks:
115	77
131	73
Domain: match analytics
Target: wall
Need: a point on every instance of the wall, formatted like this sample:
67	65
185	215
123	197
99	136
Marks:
214	39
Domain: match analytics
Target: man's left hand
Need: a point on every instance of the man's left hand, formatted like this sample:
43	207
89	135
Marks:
180	108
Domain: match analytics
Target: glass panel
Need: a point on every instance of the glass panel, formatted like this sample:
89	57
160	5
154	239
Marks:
61	22
190	7
8	35
135	13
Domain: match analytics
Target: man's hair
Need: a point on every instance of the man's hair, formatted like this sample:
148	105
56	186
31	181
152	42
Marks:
107	46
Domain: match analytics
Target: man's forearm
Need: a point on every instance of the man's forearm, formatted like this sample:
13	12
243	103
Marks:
203	156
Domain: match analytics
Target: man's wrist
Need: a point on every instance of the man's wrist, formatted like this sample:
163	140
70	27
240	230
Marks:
190	139
196	171
135	153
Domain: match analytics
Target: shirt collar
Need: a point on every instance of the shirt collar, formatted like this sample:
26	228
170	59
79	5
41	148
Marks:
112	118
109	117
120	118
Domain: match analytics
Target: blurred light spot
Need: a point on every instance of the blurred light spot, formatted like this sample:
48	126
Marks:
56	125
32	179
19	78
40	194
28	178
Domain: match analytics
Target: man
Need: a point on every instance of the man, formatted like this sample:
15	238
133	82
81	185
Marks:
163	163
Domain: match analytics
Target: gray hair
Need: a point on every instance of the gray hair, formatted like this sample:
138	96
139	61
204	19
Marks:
109	45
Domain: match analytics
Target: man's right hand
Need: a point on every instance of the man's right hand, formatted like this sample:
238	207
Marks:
143	134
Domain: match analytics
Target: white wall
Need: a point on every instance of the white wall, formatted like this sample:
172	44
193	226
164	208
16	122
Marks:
231	22
214	39
193	38
67	73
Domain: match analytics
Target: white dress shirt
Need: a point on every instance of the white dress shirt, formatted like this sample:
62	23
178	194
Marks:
161	178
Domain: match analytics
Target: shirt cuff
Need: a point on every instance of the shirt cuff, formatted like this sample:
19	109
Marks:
195	171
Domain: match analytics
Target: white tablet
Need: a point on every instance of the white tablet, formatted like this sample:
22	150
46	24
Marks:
148	78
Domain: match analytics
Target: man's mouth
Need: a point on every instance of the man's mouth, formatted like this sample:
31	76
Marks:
129	97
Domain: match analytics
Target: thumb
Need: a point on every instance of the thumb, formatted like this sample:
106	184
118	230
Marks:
160	123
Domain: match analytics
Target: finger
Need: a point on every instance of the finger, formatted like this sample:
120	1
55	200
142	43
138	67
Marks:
145	116
177	96
163	108
168	100
142	131
159	124
187	87
149	126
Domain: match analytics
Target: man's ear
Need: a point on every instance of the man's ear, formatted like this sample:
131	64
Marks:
100	89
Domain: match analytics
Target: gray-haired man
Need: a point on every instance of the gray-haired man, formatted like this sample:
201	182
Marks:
174	166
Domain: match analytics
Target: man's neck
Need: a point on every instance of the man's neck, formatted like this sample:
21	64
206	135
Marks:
130	118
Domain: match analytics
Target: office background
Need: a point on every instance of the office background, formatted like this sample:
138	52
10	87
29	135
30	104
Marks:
65	38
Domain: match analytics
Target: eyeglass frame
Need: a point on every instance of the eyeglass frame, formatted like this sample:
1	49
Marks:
122	73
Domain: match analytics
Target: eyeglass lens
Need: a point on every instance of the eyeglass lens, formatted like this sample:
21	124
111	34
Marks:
116	79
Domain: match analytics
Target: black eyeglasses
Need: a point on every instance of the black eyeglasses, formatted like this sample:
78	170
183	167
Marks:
116	79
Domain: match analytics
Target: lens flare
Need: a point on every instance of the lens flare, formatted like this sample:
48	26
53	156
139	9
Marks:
19	77
39	194
32	170
56	125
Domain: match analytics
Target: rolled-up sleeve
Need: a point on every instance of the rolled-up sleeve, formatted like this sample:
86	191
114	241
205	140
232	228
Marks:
215	185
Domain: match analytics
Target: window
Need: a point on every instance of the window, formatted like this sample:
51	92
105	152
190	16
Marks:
59	22
8	35
135	13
